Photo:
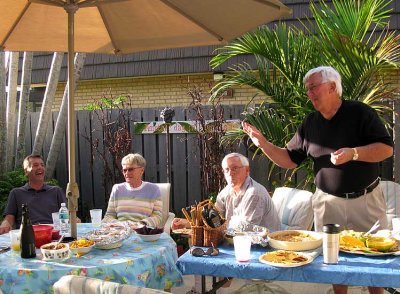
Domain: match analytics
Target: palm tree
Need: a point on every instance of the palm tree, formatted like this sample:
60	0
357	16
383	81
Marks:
11	109
3	107
47	105
340	36
23	107
59	130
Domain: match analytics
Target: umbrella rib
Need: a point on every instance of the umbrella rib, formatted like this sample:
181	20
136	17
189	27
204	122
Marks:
49	2
268	3
14	25
116	50
177	9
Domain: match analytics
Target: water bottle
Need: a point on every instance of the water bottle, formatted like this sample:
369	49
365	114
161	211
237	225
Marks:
65	228
27	235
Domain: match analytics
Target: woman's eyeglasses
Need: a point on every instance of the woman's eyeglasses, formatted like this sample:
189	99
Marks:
129	169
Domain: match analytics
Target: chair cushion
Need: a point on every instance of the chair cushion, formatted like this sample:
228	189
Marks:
294	208
391	191
71	284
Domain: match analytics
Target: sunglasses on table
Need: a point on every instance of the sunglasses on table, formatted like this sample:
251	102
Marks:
198	252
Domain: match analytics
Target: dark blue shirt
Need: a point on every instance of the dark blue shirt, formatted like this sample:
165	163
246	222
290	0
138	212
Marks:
41	203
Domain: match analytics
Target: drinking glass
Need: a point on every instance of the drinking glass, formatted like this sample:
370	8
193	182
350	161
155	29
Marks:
242	244
95	215
15	238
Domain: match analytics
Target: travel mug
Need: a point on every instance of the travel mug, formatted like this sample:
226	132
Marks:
330	243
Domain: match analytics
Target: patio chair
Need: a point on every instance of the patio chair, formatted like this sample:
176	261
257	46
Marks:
391	191
294	208
71	284
167	216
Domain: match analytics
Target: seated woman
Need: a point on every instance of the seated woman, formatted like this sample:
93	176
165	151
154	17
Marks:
135	201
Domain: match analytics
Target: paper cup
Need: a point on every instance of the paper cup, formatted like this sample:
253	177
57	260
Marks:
95	215
242	246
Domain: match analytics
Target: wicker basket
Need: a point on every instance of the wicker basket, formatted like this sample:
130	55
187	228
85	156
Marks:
197	236
213	236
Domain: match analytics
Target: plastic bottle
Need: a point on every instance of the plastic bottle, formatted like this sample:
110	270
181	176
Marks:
27	235
65	228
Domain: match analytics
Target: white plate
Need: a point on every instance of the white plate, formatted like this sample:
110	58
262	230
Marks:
277	264
371	254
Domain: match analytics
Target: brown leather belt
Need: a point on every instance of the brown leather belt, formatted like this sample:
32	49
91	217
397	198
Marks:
369	189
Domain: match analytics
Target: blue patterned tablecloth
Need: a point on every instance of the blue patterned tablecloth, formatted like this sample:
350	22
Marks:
352	269
145	264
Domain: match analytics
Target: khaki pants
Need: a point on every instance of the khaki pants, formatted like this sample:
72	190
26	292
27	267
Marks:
357	214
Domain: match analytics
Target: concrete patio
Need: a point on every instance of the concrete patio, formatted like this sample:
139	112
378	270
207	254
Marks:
278	287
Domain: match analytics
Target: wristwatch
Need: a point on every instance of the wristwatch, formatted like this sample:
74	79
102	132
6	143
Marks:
355	155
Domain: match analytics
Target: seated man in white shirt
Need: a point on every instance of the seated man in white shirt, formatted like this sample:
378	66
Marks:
242	199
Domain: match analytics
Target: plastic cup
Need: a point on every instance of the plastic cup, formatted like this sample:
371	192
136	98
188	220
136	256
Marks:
15	237
56	220
95	215
242	246
396	227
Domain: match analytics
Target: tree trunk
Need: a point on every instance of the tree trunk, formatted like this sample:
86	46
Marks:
45	112
59	130
11	109
3	113
23	107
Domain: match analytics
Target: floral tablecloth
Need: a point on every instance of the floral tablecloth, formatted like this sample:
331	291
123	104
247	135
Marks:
145	264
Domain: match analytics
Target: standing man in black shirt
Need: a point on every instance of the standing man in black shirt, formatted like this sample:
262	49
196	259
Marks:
346	141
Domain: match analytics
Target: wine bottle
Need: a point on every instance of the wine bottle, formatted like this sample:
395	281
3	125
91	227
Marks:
214	218
27	235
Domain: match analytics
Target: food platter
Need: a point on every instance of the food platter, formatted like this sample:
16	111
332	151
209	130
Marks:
109	235
369	245
283	258
182	231
370	253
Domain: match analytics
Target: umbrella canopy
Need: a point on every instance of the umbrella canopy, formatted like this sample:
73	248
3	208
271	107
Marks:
126	26
123	26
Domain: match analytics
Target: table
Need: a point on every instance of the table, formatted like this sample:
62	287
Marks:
357	270
144	264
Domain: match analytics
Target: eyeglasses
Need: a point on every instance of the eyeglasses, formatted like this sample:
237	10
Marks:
198	252
232	169
314	87
129	169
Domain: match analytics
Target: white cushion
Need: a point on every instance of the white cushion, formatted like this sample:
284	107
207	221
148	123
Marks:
71	284
294	208
167	216
391	191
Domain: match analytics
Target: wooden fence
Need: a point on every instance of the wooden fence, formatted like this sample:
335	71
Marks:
185	169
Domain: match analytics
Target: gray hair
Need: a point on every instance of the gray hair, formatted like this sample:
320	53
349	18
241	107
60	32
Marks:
134	159
243	159
328	74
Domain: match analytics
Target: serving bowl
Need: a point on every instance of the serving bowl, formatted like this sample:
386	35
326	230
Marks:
295	240
43	234
50	252
149	238
81	246
109	235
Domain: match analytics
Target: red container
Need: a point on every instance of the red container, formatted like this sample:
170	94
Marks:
42	234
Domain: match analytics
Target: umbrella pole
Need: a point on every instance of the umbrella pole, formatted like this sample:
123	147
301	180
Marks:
72	187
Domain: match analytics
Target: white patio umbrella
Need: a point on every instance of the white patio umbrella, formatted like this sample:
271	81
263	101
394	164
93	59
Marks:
123	26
